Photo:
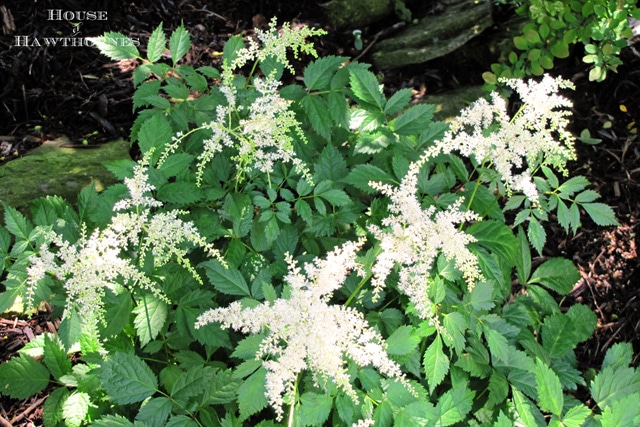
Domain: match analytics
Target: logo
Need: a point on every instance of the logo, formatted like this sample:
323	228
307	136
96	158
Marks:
75	18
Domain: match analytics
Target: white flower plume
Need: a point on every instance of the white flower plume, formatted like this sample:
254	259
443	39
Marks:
536	135
306	332
413	237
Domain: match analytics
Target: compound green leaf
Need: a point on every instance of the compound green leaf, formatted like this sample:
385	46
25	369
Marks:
550	397
116	46
436	364
150	316
498	344
481	296
179	43
154	134
557	274
222	388
180	421
22	377
156	45
127	378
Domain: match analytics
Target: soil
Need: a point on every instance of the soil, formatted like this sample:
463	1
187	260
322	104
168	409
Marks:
46	91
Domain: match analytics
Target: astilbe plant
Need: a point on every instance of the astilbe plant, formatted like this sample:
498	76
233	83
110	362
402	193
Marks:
314	249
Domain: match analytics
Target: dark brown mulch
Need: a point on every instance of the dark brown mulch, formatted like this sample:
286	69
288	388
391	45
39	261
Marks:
48	91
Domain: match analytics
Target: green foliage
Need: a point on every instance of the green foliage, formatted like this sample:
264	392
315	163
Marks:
498	351
552	28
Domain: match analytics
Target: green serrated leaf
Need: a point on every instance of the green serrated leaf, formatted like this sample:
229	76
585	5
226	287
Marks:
116	46
600	213
179	43
127	378
481	296
181	192
558	335
454	405
114	421
156	45
52	408
155	412
550	397
143	91
622	412
150	316
496	237
366	88
222	388
318	114
318	74
251	394
498	344
584	319
398	101
415	120
402	341
315	408
558	274
573	185
527	411
55	358
75	409
16	223
330	166
361	175
226	280
537	235
154	134
576	416
618	355
22	377
436	364
586	196
190	383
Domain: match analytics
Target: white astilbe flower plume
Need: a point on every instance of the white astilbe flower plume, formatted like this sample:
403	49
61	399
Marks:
306	332
536	132
413	237
265	133
91	265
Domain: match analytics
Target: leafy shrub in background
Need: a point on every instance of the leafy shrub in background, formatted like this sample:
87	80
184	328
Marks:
313	254
553	27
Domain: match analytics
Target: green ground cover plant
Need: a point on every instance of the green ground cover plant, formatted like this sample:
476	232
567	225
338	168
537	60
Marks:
553	28
313	254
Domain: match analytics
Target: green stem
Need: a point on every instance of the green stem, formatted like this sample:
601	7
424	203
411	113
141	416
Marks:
292	407
356	291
